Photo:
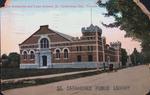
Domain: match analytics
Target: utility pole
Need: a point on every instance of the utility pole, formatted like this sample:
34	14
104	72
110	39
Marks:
97	53
0	41
135	59
0	53
103	49
91	16
119	56
119	48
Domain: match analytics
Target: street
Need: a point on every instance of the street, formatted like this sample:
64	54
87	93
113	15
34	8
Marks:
129	81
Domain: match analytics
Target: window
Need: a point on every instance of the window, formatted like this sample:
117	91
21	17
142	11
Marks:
57	53
79	58
90	58
44	43
90	48
32	55
108	59
65	53
79	48
25	55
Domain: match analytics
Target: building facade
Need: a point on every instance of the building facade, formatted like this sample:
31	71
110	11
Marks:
47	48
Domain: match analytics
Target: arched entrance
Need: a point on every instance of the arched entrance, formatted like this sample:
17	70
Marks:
43	54
44	60
79	59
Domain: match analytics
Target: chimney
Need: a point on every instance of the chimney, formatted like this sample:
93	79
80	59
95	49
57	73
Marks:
44	26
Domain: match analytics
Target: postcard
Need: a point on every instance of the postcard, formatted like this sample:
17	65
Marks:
75	47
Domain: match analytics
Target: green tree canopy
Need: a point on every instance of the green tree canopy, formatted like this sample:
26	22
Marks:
129	17
11	61
14	59
5	61
136	57
124	57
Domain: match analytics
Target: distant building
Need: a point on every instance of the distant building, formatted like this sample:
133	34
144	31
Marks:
47	48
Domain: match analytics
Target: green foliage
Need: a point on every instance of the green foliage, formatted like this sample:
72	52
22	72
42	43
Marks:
136	57
11	61
129	17
124	57
4	56
5	61
14	59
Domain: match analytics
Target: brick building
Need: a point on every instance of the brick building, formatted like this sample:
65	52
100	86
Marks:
47	48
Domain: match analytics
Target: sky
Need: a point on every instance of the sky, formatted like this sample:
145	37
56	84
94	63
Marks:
21	18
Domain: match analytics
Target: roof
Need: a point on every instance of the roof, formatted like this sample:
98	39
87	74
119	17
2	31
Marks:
65	36
45	30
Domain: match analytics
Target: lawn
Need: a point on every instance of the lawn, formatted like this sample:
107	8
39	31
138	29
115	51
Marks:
40	81
10	73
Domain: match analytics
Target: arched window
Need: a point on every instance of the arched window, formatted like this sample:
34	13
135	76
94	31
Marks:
32	56
57	53
25	55
65	53
90	48
44	43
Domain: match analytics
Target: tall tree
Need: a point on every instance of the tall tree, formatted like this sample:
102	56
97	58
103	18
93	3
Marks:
124	57
5	61
11	61
129	17
14	59
136	57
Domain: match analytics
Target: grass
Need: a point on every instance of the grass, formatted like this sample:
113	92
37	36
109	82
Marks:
10	73
39	81
18	73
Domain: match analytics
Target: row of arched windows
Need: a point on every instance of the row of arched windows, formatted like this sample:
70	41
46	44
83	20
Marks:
65	53
31	55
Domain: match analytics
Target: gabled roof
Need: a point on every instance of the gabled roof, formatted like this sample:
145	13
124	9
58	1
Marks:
45	30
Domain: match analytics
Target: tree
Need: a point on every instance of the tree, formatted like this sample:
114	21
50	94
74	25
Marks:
14	59
5	61
136	57
146	4
2	3
11	61
129	17
124	57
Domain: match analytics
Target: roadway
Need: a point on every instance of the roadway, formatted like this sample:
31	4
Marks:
129	81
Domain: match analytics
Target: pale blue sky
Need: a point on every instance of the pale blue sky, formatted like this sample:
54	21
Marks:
66	16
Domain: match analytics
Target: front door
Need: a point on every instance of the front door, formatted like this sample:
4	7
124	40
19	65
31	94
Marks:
90	58
79	58
44	59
